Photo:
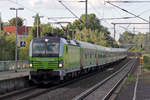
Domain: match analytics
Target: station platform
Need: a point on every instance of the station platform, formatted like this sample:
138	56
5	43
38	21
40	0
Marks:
143	87
138	88
12	74
11	80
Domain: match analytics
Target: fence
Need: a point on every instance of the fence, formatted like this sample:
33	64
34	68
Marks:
11	65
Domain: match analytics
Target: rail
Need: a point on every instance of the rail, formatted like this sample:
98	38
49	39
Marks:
105	96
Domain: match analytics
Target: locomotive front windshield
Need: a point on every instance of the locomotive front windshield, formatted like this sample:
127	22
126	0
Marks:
42	48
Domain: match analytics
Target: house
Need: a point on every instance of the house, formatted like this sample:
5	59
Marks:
22	30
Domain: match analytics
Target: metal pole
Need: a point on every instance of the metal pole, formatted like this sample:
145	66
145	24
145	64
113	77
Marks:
86	11
134	30
16	38
72	34
52	29
148	35
114	31
37	27
0	23
16	9
26	27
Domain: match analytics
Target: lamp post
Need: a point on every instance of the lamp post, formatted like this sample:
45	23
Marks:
86	10
0	23
16	9
38	17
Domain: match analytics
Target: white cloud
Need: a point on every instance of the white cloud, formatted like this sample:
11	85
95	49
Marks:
44	3
97	2
35	2
55	3
3	3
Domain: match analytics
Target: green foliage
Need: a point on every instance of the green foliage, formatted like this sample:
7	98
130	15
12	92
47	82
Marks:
33	31
24	51
13	21
137	40
36	27
95	37
8	44
37	19
135	49
146	61
2	26
7	47
127	37
93	32
48	30
93	23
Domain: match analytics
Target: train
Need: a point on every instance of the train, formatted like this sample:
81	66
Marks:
56	58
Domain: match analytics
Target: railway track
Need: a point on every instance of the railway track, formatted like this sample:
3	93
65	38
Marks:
34	92
104	89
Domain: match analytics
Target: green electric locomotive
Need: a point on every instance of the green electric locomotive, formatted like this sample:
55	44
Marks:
54	58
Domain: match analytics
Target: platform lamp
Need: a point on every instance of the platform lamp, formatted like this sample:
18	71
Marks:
16	50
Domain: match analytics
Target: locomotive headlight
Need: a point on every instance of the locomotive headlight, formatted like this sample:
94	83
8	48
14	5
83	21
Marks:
30	65
60	65
46	40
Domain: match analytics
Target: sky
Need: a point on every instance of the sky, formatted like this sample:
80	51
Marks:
103	10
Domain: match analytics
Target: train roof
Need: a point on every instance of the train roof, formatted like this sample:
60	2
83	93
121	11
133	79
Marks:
99	47
42	38
87	45
83	44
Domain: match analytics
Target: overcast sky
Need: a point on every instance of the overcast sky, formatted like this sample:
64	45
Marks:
52	8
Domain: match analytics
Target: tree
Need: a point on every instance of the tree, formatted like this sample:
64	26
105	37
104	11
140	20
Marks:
37	18
93	23
13	21
33	31
94	32
46	30
127	37
37	23
95	37
7	47
137	41
24	51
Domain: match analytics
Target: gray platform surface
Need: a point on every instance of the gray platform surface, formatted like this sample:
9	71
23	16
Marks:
142	92
143	88
12	74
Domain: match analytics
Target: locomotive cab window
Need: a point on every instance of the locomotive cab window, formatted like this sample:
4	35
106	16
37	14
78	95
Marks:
48	48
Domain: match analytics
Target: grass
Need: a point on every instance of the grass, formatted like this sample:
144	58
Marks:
146	64
129	79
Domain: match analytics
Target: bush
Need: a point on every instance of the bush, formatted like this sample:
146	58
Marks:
146	61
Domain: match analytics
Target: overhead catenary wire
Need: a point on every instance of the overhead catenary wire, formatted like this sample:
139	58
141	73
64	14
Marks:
134	1
127	1
127	11
95	9
70	11
99	14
